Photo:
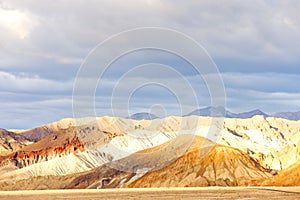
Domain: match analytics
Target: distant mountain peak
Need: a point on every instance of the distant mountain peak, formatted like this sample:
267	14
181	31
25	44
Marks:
143	116
287	115
211	111
251	114
219	111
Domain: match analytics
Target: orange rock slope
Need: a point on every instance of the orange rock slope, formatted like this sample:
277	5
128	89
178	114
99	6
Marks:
206	166
286	177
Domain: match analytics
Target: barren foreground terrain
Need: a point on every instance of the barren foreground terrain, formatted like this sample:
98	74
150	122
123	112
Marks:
161	193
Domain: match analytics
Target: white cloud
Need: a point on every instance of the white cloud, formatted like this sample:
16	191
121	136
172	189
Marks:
15	22
70	60
33	84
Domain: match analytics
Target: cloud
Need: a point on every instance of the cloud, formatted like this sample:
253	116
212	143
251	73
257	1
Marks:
34	84
255	44
15	24
250	31
264	82
21	110
239	100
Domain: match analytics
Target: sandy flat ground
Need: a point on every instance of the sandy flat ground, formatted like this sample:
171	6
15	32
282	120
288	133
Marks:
162	193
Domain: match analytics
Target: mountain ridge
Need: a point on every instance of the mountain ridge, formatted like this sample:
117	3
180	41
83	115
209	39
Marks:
143	116
39	132
219	111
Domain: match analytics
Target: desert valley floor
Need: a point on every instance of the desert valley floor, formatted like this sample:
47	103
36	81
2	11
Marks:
207	193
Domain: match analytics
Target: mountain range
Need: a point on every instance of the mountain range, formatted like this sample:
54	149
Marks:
220	111
112	152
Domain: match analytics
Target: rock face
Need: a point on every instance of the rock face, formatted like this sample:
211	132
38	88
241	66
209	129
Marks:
174	151
10	142
61	153
60	143
36	134
273	142
222	166
286	177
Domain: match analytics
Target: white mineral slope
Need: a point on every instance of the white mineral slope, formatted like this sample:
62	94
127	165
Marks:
273	146
59	166
273	142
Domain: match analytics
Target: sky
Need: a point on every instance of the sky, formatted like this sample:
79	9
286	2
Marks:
254	44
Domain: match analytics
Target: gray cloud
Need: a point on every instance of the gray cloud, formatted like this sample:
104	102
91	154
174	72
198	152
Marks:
256	45
251	31
32	84
264	82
